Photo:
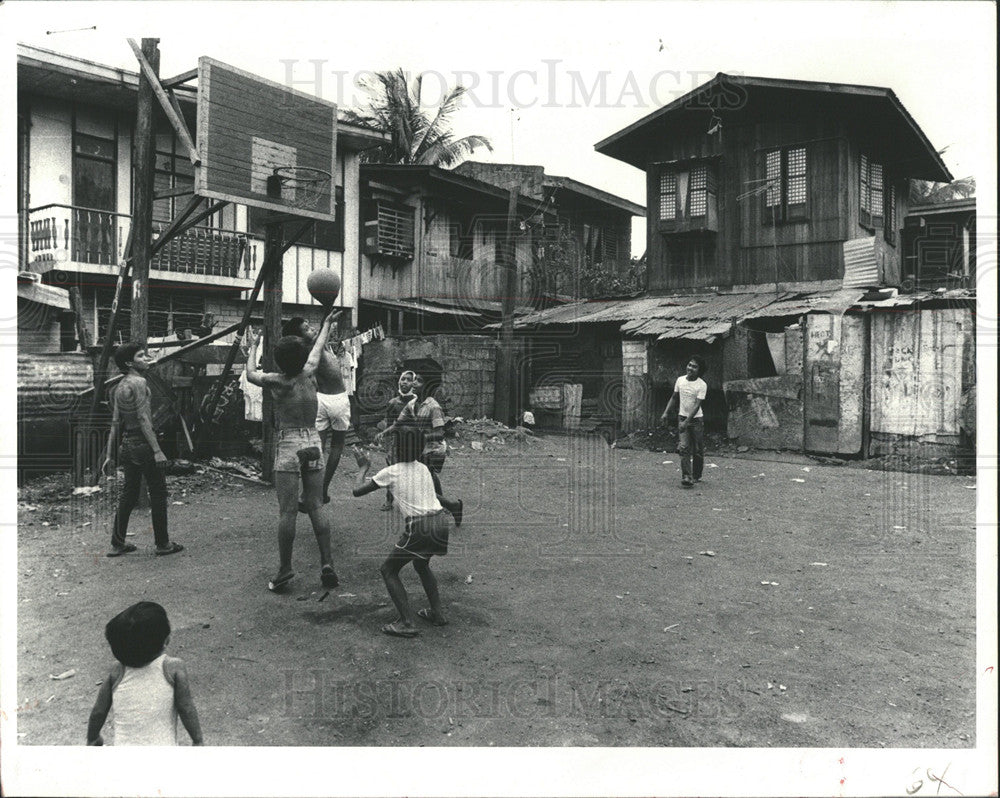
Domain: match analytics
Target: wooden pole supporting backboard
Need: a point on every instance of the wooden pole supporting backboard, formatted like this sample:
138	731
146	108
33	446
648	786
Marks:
142	204
504	402
151	71
272	332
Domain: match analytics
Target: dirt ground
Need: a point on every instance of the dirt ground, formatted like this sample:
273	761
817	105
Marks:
592	602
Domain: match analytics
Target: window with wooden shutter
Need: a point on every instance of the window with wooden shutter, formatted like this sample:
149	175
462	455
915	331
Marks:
668	194
786	192
864	197
772	196
875	187
889	223
795	179
698	191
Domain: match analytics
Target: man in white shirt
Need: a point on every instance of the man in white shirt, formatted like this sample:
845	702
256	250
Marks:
689	393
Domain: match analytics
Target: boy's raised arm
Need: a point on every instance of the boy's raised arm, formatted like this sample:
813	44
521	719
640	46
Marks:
254	374
362	485
320	343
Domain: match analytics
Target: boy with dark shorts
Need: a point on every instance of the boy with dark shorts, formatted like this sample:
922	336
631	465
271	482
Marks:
139	452
689	393
298	450
427	526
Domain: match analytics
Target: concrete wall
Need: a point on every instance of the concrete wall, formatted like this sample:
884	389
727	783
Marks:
918	366
766	412
636	389
468	365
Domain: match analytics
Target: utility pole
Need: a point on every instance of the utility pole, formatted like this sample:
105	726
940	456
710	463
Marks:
142	194
504	402
272	332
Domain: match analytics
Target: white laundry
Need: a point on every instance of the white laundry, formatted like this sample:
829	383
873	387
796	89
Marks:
253	395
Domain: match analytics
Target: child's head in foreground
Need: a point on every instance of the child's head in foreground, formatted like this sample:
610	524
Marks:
290	355
138	635
409	444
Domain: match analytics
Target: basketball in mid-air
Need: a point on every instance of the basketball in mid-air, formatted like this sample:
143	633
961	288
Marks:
324	285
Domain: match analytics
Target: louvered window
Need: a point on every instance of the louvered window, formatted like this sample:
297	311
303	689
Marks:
395	230
873	193
875	187
889	222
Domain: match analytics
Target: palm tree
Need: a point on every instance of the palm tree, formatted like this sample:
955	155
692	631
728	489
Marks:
415	136
924	192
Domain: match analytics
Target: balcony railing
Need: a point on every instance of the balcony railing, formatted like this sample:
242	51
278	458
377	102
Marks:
61	235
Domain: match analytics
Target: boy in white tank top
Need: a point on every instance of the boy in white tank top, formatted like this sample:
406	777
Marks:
147	689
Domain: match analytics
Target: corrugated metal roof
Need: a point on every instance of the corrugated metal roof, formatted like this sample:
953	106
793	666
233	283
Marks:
699	317
416	306
800	303
860	266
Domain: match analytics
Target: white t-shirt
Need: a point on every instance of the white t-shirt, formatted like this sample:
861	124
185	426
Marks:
690	392
411	486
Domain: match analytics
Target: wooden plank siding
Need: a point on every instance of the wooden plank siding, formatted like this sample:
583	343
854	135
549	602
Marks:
748	248
434	273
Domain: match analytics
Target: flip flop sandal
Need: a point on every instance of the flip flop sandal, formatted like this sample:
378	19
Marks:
395	631
279	583
328	576
118	551
430	617
173	548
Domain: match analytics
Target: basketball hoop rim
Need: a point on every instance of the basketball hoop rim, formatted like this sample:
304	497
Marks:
302	175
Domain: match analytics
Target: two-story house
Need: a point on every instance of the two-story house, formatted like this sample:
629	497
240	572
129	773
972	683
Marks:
74	156
594	226
776	207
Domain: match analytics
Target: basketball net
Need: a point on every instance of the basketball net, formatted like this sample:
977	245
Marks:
303	187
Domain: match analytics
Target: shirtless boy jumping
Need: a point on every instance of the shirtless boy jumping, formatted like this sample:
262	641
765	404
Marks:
333	407
297	446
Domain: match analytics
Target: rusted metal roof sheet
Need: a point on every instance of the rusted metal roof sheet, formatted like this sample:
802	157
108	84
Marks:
802	303
700	317
50	384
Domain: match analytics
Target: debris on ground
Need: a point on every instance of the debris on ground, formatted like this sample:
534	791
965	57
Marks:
485	434
64	675
86	490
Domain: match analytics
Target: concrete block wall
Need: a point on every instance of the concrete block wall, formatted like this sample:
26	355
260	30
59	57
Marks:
468	371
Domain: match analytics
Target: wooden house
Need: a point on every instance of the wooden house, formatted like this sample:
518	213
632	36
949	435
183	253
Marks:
435	245
596	224
756	181
775	249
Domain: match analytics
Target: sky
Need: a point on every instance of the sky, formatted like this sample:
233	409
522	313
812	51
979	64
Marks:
544	60
549	80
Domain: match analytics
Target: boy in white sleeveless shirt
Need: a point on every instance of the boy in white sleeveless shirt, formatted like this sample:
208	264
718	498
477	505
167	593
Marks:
147	689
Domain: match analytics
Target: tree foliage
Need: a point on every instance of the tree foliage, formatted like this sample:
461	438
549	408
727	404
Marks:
559	268
416	136
925	192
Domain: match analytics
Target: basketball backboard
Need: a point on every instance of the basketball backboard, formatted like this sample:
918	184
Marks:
248	127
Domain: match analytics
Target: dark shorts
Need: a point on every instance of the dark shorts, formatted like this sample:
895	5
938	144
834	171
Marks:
426	535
